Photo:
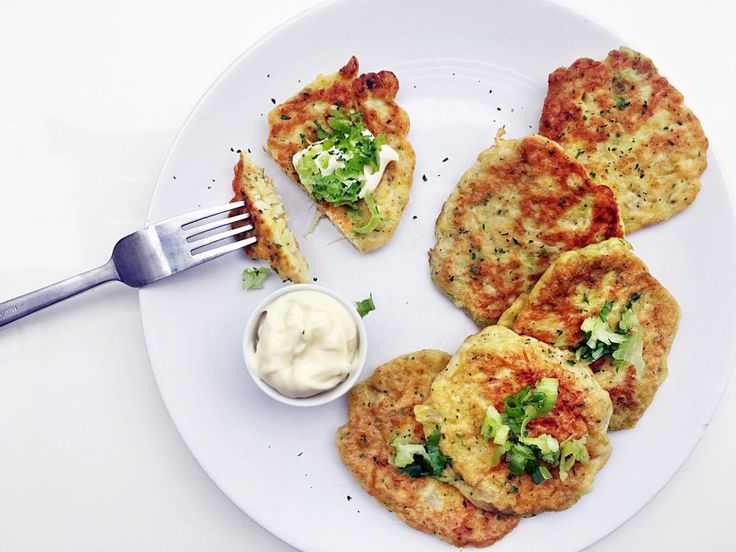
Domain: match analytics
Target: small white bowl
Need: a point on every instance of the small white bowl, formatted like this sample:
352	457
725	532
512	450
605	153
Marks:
326	396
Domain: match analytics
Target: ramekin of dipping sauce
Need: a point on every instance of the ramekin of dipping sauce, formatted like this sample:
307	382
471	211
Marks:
305	345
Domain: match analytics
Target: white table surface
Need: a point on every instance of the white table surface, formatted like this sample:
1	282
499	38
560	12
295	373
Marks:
91	97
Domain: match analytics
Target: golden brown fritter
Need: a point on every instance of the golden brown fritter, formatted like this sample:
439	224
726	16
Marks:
629	127
291	124
380	409
522	204
577	286
488	367
276	243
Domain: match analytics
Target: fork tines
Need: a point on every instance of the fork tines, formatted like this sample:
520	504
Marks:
199	236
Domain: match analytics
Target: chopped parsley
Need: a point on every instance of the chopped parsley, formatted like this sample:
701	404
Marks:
365	306
417	460
622	103
624	344
253	277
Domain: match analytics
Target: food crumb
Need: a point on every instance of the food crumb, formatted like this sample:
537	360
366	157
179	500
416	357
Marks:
314	279
424	177
273	101
414	217
350	498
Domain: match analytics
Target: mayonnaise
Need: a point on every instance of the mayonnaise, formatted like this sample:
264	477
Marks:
329	160
306	343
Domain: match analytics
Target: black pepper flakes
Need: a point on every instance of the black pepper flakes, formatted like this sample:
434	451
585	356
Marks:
424	177
273	101
445	159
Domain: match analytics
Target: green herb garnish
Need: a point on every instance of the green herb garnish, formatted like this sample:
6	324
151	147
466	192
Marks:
622	103
624	344
333	168
365	306
416	460
253	277
573	450
374	217
507	430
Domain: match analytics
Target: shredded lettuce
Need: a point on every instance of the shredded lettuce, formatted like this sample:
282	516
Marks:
253	277
572	450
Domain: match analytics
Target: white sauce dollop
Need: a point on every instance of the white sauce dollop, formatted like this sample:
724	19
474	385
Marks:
307	343
329	160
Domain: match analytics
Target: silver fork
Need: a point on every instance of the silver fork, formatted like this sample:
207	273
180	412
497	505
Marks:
145	256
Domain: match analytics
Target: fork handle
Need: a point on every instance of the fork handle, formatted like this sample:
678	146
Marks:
12	310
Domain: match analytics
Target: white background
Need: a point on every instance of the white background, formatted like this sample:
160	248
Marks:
91	97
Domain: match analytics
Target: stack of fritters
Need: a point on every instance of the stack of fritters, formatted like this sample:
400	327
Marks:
578	285
531	239
522	204
381	409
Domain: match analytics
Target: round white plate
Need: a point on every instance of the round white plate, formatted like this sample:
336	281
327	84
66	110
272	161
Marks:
465	69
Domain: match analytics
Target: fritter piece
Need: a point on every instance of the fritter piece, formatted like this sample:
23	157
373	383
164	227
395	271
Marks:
381	408
522	204
276	243
291	125
577	286
629	127
488	367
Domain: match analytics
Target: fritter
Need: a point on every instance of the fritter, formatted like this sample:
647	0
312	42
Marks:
276	243
630	128
522	204
380	409
577	286
490	366
291	126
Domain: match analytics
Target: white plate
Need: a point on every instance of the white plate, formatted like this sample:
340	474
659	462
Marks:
279	463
